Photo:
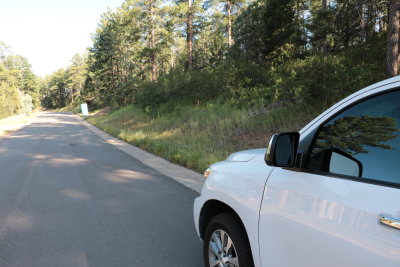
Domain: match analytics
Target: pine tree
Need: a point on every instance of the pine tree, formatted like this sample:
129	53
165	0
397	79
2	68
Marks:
392	54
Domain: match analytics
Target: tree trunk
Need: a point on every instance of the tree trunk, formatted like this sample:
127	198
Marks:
118	70
371	21
325	46
189	35
392	53
172	62
228	10
363	17
153	58
112	75
324	4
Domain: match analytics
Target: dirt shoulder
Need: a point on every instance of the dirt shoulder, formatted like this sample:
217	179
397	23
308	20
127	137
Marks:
14	123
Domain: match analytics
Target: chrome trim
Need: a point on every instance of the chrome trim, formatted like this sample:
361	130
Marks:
391	222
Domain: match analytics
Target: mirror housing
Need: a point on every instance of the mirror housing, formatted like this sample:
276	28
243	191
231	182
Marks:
282	149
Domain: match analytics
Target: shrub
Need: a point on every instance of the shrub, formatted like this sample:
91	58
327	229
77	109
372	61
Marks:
27	104
230	80
10	100
322	80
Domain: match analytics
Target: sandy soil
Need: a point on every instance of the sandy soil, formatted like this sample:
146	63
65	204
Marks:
14	123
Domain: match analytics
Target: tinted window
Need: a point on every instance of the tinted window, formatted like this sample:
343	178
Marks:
363	141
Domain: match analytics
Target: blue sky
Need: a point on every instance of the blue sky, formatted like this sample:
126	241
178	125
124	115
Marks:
50	32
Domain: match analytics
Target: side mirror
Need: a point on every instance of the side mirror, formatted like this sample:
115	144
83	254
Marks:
282	149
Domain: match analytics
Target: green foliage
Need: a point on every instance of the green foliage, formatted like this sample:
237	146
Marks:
346	23
27	103
248	32
228	81
54	93
76	75
323	29
323	80
10	100
269	31
315	79
19	87
63	87
280	26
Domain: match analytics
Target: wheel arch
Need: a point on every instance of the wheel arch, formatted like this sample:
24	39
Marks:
212	208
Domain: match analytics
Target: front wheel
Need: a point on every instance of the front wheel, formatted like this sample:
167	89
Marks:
226	243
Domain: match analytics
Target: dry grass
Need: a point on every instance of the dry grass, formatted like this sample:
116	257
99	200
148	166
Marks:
11	124
196	136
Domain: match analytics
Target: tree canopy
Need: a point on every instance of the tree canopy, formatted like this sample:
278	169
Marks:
19	86
153	53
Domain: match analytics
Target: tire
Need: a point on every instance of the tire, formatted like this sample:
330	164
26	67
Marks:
221	229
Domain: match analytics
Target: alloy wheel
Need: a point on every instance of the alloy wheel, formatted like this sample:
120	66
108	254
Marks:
221	250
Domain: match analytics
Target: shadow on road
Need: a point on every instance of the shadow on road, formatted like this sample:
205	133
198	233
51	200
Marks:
68	199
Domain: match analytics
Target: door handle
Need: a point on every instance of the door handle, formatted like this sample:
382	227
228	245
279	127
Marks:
394	223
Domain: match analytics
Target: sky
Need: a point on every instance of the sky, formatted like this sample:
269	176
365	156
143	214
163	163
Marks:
50	32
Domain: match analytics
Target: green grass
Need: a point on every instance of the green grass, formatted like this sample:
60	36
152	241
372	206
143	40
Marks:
197	136
73	107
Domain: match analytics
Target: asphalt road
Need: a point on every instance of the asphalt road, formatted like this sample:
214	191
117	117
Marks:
69	199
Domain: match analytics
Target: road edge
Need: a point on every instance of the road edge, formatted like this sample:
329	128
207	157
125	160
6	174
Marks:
7	130
188	178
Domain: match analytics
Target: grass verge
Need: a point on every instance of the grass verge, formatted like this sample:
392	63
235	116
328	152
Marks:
196	137
13	123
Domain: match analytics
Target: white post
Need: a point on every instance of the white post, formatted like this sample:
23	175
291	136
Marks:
84	109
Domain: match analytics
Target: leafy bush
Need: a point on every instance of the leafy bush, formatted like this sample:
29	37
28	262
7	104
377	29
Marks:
27	104
230	80
10	100
322	81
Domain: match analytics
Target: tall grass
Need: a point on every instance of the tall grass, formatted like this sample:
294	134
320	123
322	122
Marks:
196	136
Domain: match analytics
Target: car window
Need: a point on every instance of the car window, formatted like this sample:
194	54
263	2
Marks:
363	141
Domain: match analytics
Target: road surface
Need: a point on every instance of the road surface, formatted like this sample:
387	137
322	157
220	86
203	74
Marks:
69	199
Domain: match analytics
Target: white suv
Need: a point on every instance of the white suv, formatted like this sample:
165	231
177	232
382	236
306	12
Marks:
326	196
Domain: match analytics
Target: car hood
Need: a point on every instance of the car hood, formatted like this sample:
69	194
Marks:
245	155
